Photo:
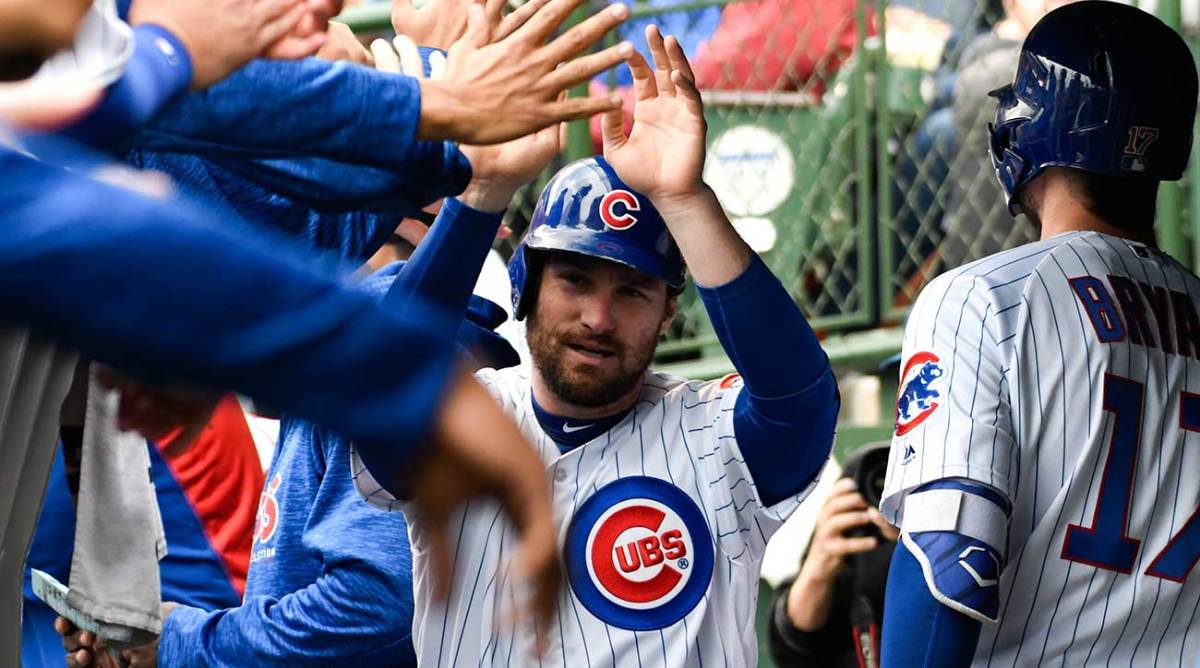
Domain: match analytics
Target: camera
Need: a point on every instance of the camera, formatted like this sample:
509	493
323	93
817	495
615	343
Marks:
867	467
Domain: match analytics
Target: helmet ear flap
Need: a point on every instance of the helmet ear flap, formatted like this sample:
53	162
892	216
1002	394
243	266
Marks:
525	271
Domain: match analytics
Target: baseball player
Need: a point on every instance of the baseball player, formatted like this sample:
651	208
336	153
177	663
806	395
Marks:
1043	465
666	490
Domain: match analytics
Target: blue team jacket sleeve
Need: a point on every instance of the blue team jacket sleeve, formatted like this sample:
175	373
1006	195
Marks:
335	620
785	416
159	69
155	288
438	170
918	631
334	110
444	268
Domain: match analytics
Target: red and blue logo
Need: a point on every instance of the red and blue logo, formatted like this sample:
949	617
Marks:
639	554
917	398
617	209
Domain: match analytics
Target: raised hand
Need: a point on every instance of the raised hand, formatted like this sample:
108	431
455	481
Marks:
663	156
497	170
222	35
503	80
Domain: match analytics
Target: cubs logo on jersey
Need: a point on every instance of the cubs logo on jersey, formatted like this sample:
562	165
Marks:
268	512
639	554
617	209
916	400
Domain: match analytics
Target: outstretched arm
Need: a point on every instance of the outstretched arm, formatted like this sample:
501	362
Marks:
785	415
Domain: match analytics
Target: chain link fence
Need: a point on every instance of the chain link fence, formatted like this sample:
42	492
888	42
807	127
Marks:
847	143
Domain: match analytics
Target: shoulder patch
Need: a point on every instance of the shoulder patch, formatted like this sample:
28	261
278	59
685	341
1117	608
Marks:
639	554
730	381
916	400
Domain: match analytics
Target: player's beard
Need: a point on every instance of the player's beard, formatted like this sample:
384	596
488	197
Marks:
576	383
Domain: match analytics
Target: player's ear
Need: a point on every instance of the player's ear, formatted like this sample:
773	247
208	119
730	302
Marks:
669	311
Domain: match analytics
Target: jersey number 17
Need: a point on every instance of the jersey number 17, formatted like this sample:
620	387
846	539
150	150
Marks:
1105	544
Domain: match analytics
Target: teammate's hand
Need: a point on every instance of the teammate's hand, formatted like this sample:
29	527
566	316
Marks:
497	170
341	44
222	35
844	510
663	156
80	645
503	80
478	451
158	413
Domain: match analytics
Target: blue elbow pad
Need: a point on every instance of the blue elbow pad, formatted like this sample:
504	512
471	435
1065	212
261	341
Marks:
958	533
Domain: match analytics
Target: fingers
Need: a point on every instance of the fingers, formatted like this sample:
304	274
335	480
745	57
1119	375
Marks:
437	65
581	107
517	18
687	90
284	43
546	20
662	62
583	69
644	86
493	10
842	547
439	555
678	58
410	57
386	59
840	523
479	32
843	502
612	131
79	659
587	33
539	568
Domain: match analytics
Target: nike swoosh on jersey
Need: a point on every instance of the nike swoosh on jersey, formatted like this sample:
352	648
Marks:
569	428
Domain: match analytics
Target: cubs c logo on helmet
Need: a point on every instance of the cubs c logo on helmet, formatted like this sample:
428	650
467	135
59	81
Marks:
617	209
916	402
639	554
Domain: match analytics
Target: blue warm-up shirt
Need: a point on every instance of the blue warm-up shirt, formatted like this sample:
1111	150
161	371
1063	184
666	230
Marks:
161	289
330	575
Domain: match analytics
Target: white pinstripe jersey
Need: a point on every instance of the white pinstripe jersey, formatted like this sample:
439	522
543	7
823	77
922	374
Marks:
662	531
1061	373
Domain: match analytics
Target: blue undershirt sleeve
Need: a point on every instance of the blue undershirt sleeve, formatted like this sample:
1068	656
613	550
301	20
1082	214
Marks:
158	289
350	114
785	416
918	631
159	70
444	268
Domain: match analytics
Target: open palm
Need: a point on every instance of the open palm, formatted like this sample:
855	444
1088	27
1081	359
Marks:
663	156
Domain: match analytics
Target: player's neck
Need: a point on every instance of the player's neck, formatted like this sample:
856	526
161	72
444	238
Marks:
1061	213
552	403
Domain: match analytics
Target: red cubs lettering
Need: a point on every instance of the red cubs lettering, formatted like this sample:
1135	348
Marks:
606	556
651	553
673	546
628	204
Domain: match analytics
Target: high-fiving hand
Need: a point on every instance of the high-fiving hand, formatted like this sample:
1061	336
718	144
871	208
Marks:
663	156
497	170
503	80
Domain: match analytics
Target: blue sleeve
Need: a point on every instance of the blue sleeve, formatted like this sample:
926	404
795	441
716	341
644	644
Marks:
785	416
357	611
159	69
918	631
444	268
339	111
159	290
351	613
438	169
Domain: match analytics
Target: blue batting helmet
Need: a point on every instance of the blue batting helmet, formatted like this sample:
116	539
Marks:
587	209
1102	87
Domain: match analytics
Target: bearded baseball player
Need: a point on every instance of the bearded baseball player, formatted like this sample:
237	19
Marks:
1043	470
665	490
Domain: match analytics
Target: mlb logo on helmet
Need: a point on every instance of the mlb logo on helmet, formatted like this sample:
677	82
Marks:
617	209
916	402
639	554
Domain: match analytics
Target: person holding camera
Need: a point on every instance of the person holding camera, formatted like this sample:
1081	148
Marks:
830	615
